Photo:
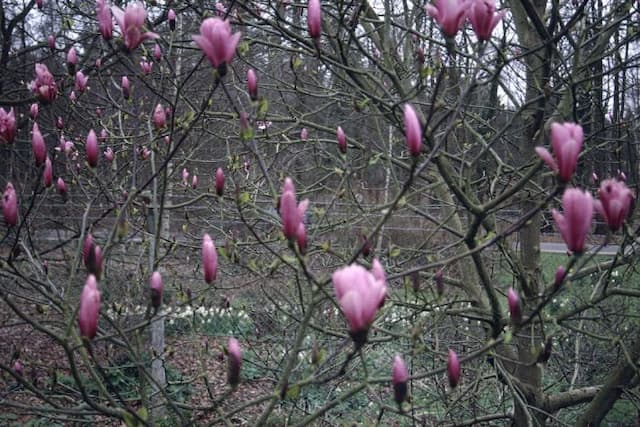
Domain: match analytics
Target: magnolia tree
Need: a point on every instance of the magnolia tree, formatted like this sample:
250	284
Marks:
274	213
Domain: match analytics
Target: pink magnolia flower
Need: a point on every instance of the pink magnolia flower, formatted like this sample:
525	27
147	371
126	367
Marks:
72	60
92	150
412	130
47	173
566	140
61	187
51	42
301	238
515	306
342	140
219	182
399	378
145	153
314	18
92	256
209	259
87	248
33	112
220	9
159	117
18	369
108	154
103	135
483	18
359	294
81	82
449	14
89	308
156	288
453	368
39	3
291	212
614	202
157	52
72	96
185	176
216	42
252	84
105	23
146	66
8	127
38	145
131	21
194	182
171	16
59	123
304	134
234	362
126	87
10	205
576	221
44	85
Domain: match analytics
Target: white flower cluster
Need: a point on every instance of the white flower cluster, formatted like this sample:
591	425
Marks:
187	312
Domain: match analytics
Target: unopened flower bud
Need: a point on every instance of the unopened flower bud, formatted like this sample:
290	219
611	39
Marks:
89	308
399	378
156	287
453	369
219	182
515	306
234	363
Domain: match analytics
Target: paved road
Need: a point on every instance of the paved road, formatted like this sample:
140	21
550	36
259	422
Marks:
561	248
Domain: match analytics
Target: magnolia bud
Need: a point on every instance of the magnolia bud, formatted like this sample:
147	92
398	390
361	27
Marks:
126	87
94	261
89	308
33	111
301	238
159	117
342	140
412	131
17	368
219	182
171	16
10	205
515	306
209	259
157	52
399	378
47	173
234	362
155	284
61	187
38	146
92	150
252	84
72	60
453	369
